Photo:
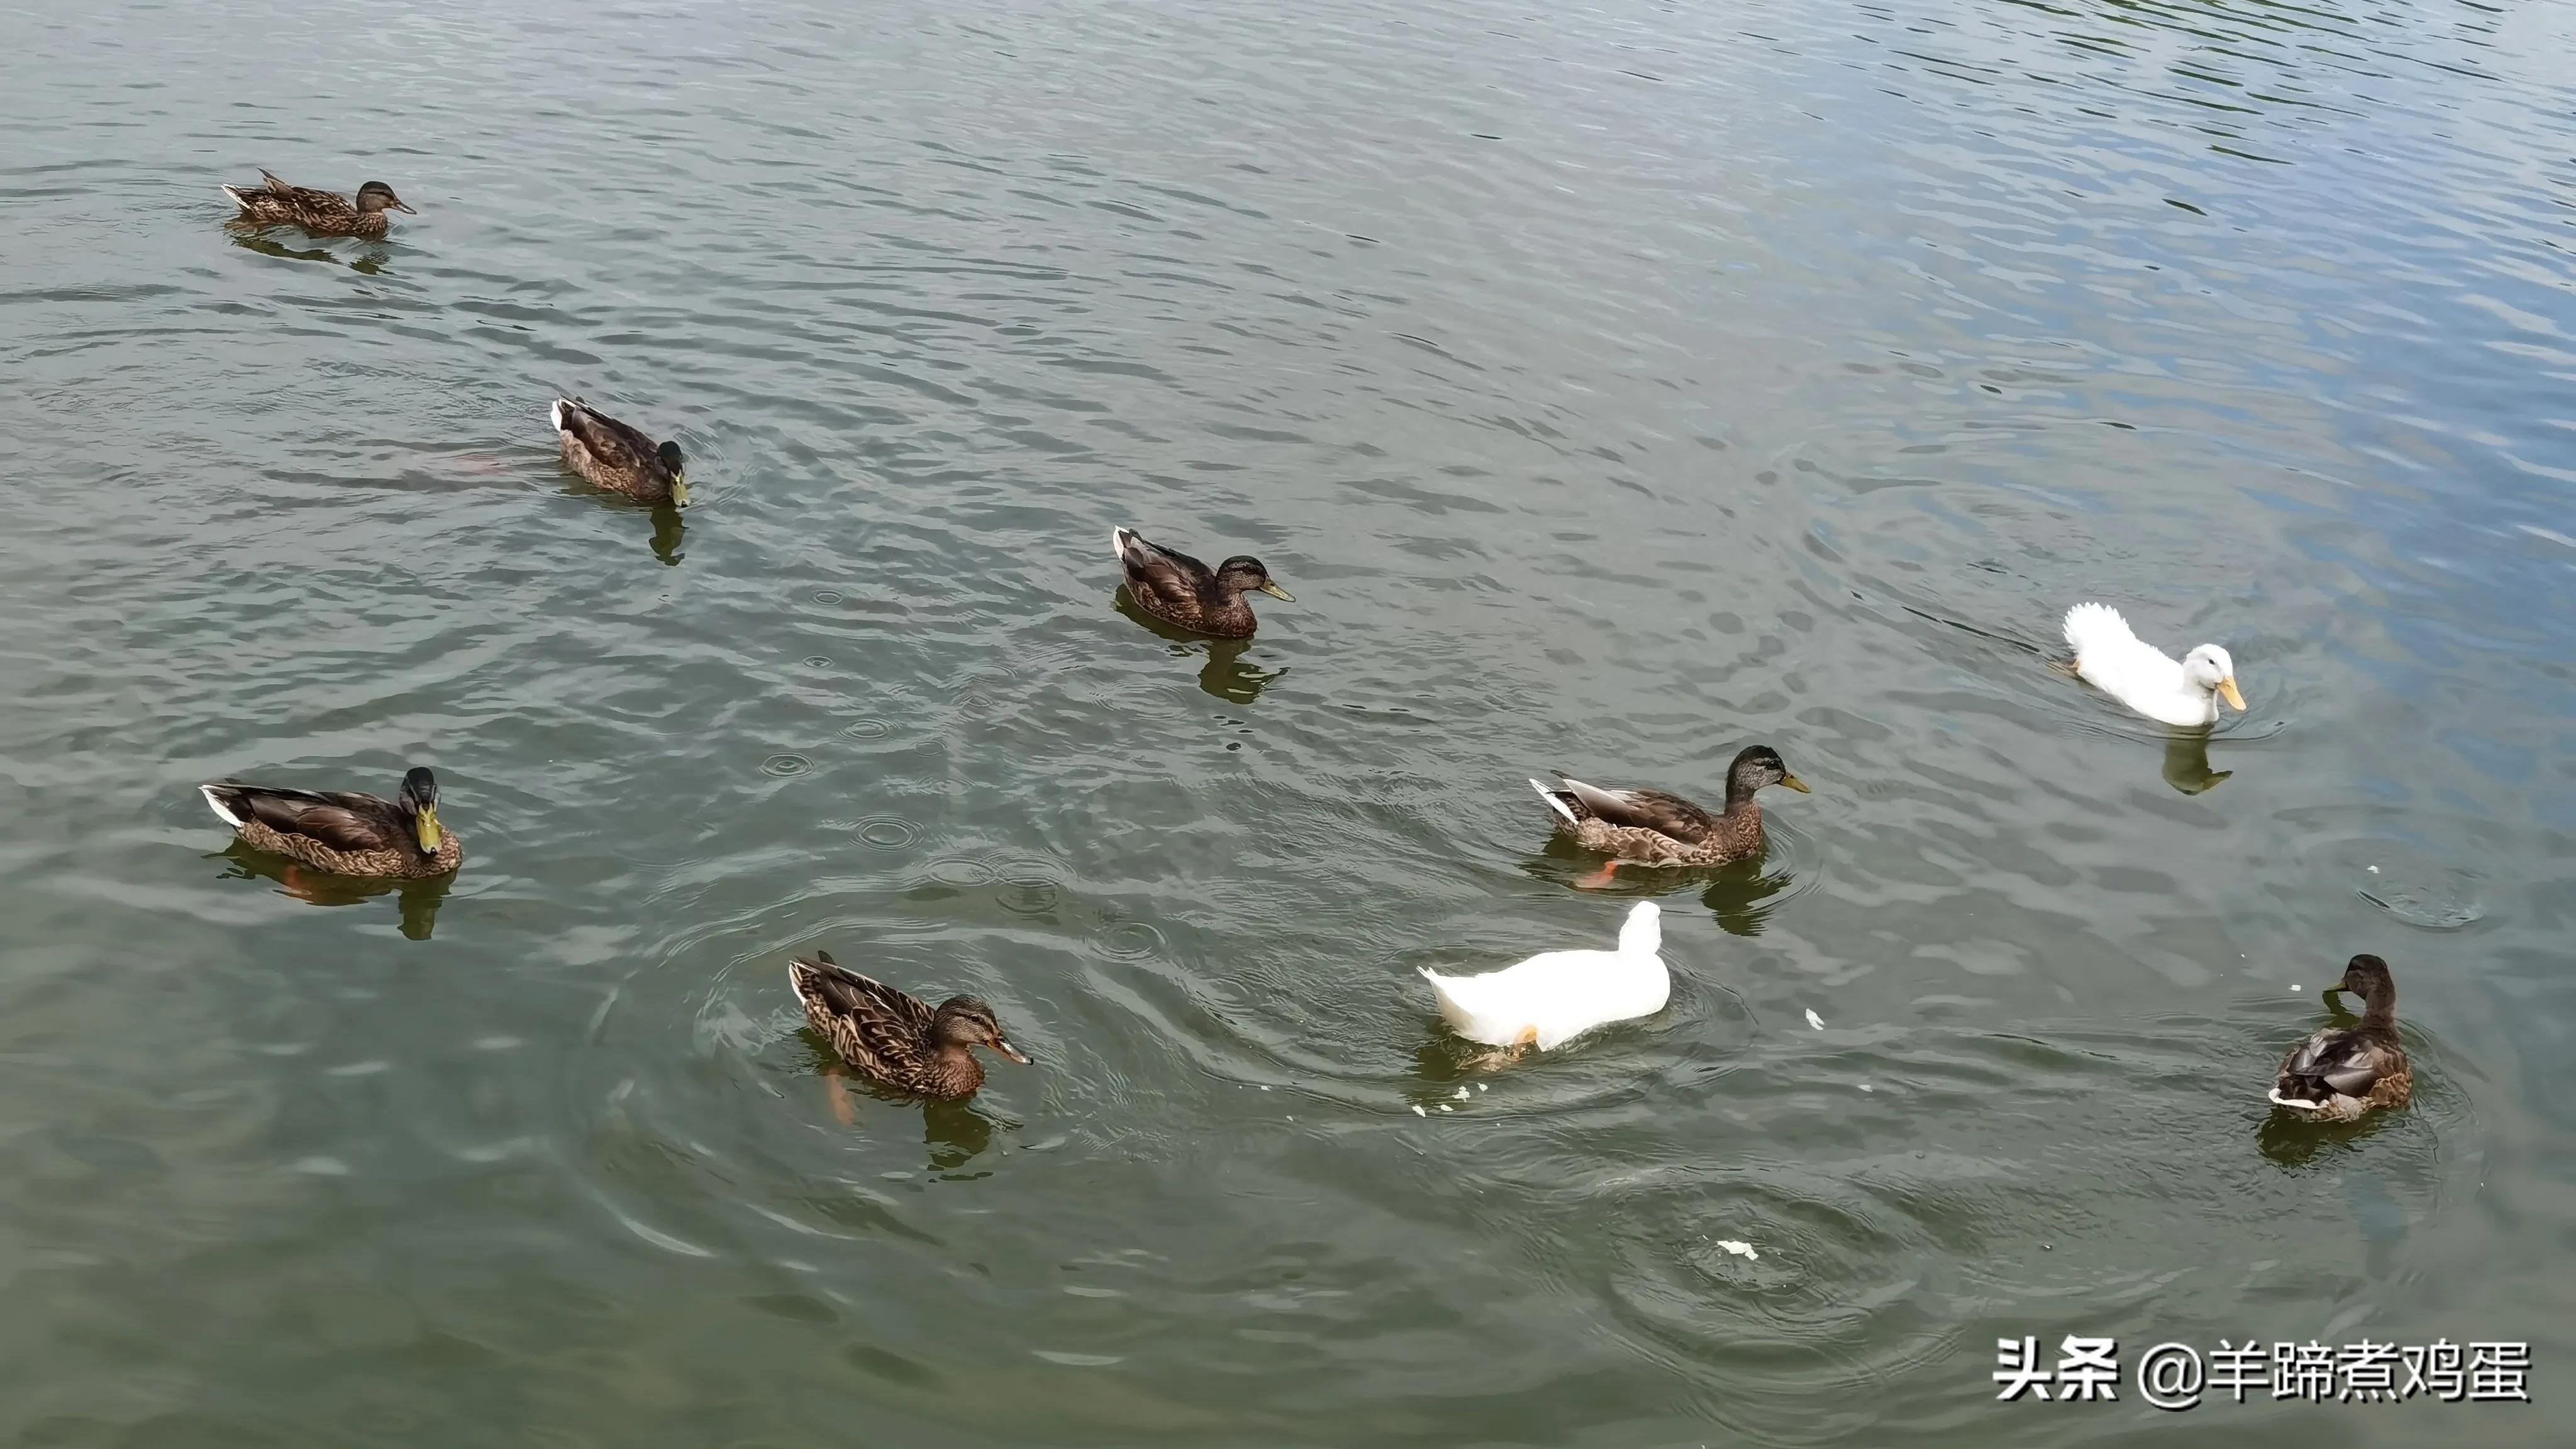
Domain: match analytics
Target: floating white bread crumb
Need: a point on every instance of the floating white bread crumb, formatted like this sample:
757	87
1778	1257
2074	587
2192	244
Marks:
1462	1094
1480	1086
1814	1020
1739	1249
1418	1112
1445	1107
1866	1087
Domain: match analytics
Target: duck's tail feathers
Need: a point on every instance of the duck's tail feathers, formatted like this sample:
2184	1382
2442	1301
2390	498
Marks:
2295	1103
1119	538
2090	626
1555	801
1643	935
215	802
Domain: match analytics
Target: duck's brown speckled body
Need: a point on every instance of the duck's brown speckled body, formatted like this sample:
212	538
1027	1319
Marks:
1182	591
323	213
344	833
2342	1072
1649	827
894	1038
620	458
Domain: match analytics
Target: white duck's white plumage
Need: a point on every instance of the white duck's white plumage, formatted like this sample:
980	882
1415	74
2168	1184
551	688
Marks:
1555	996
2113	659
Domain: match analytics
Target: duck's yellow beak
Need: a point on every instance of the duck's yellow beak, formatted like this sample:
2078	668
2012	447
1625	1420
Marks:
1276	592
1794	783
2227	688
680	492
425	826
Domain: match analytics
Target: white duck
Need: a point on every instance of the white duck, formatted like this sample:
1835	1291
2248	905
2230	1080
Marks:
1555	996
2143	677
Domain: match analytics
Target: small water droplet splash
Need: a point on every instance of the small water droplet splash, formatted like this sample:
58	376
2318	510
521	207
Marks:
2437	898
867	729
827	596
886	832
785	765
1132	940
815	661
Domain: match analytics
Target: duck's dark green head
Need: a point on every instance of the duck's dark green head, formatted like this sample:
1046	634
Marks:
965	1021
1244	573
669	453
1756	766
420	802
377	196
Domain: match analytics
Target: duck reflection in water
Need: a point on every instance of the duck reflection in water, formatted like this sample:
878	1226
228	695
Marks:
2187	763
1739	893
668	534
249	236
955	1132
418	900
1225	675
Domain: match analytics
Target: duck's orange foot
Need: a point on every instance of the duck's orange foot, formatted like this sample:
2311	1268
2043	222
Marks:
1595	880
839	1091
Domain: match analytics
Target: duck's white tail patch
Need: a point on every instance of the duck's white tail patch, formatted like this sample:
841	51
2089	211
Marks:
1554	803
217	805
1118	540
237	198
2091	625
2292	1102
554	414
1643	935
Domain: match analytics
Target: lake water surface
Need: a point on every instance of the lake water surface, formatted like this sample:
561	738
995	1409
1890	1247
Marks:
1614	386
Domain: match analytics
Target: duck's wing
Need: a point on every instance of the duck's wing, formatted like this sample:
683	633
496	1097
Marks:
341	820
1668	815
606	439
885	1018
312	198
2340	1060
1165	573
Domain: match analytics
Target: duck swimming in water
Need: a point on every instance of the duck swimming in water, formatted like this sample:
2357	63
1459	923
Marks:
1556	996
344	833
617	457
323	213
2138	674
1180	590
2344	1071
1649	827
894	1038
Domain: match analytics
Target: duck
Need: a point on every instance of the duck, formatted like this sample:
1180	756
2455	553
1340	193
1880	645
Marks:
2342	1072
894	1038
343	833
1182	591
2116	661
1555	996
323	213
619	458
1649	827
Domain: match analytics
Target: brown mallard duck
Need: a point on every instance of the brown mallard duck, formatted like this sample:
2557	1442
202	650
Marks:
2343	1071
1178	589
894	1038
619	458
344	833
1649	827
323	213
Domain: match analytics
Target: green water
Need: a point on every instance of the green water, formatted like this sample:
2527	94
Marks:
1612	387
